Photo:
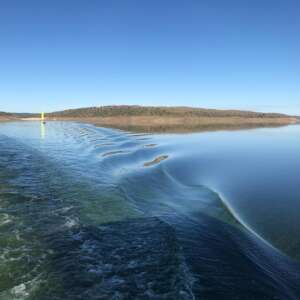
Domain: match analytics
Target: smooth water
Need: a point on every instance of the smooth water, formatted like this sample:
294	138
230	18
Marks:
94	213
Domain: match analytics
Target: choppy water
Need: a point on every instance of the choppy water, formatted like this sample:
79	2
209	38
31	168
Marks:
94	213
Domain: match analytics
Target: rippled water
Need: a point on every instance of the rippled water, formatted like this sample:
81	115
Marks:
94	213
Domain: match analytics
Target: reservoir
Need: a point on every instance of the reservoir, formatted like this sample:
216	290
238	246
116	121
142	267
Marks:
98	213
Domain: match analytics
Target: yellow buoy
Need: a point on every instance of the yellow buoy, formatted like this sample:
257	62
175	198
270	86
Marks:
42	116
43	130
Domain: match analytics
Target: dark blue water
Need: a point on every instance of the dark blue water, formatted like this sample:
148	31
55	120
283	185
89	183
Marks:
94	213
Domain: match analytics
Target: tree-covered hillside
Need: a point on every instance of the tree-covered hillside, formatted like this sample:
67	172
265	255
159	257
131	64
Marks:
127	110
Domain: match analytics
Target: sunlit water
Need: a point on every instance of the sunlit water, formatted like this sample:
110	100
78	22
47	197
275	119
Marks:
94	213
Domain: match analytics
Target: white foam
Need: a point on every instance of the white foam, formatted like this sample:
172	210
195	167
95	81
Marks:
70	223
20	291
5	219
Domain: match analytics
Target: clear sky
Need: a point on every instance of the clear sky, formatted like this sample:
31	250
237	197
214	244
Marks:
60	54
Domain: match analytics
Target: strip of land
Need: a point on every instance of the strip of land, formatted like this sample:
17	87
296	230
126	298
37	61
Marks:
4	117
172	119
164	119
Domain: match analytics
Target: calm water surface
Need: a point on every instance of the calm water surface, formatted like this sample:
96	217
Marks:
94	213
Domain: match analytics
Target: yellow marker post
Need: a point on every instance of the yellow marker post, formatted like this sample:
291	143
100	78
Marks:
43	129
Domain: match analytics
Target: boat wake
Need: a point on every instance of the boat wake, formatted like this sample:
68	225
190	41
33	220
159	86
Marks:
93	213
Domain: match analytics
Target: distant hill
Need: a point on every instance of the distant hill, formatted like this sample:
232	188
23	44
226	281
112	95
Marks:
127	110
171	119
163	119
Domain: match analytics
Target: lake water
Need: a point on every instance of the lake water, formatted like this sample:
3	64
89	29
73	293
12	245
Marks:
95	213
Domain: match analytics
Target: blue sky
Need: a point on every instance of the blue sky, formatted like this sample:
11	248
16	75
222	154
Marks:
241	54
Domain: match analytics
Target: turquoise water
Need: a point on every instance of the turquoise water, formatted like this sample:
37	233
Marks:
91	213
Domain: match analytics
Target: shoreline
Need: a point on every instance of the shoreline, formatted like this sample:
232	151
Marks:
162	119
169	124
180	124
8	119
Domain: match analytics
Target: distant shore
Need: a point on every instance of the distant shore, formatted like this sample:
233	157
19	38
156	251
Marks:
164	119
181	124
6	119
172	119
